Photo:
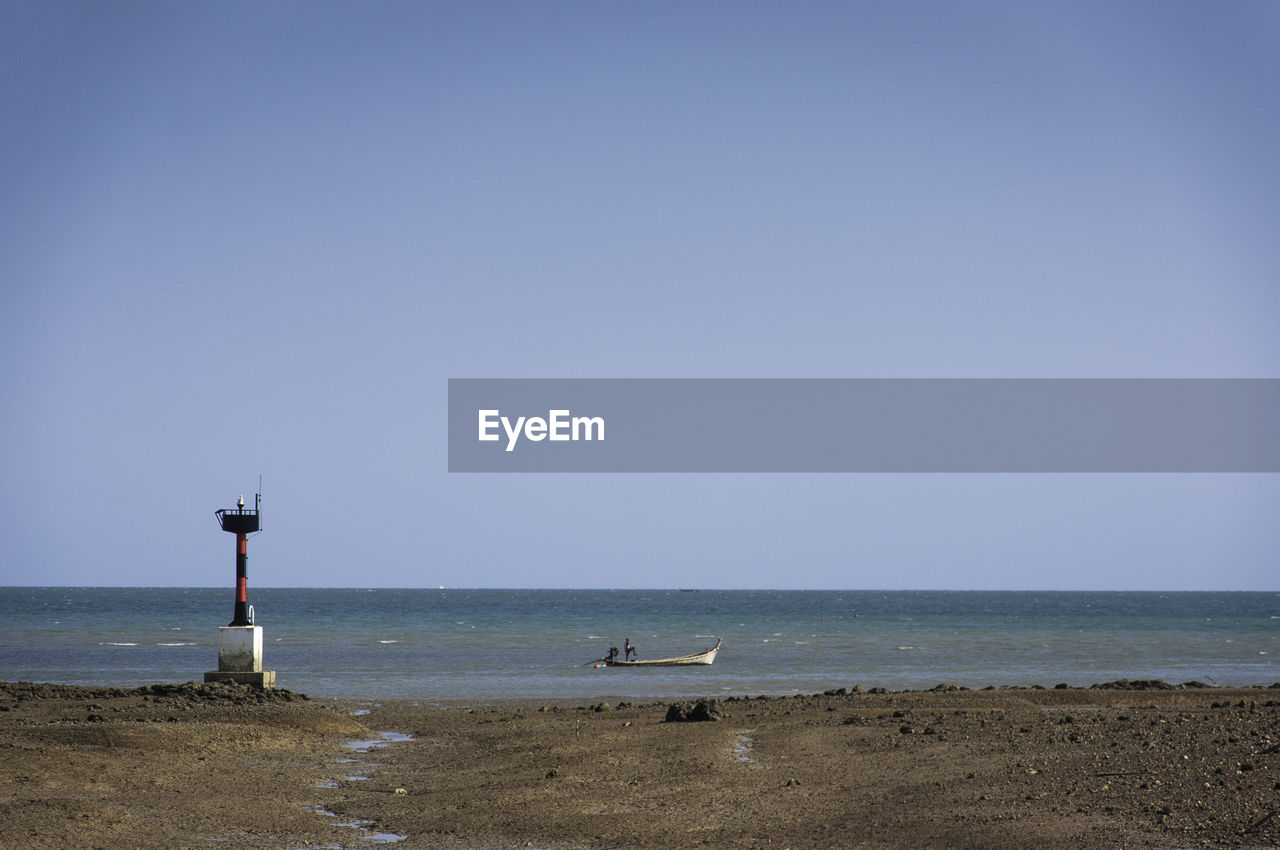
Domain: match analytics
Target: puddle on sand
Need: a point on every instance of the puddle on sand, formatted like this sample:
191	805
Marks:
368	835
362	825
333	783
742	749
374	743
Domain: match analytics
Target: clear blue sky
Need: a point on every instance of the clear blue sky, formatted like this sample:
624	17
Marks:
258	238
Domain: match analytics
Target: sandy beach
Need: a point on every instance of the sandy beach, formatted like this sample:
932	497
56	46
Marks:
1127	765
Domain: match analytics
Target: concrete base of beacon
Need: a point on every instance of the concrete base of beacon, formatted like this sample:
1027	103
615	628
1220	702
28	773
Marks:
240	658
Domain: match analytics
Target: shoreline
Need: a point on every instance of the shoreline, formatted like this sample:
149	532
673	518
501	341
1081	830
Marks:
1133	764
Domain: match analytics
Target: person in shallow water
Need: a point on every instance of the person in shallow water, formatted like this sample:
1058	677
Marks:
628	650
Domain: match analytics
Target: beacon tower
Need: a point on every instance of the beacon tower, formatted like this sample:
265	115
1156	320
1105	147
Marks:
240	642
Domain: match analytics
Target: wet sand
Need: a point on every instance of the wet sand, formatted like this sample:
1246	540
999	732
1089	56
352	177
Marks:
222	766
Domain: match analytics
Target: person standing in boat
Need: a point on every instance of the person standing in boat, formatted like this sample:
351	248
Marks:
628	649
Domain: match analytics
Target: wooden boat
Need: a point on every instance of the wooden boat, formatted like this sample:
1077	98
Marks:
704	658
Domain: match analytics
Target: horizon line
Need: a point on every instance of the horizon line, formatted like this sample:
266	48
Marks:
649	589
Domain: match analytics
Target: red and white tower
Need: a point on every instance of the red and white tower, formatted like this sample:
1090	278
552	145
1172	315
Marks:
240	642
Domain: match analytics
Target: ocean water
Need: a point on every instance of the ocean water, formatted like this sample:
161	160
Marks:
488	644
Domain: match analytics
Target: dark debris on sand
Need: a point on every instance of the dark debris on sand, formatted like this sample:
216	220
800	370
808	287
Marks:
187	692
693	712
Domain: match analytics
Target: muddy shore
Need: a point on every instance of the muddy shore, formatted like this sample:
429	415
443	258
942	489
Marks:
169	766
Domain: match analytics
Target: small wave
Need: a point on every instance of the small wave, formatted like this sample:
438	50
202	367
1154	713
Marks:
116	643
388	641
177	643
911	647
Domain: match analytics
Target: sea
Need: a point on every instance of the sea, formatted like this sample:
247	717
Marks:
488	644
